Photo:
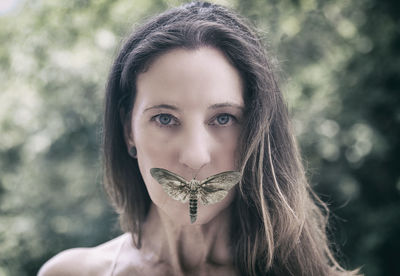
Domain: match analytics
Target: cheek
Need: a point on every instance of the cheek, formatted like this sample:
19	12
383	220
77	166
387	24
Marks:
153	145
155	190
226	149
153	150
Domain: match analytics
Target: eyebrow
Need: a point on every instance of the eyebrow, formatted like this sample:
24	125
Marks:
214	106
167	106
227	104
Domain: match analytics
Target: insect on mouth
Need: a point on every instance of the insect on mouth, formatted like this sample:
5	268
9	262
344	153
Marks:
211	190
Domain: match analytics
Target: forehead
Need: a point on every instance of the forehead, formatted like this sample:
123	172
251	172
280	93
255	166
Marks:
181	76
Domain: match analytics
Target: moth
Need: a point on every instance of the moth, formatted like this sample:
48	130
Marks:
209	191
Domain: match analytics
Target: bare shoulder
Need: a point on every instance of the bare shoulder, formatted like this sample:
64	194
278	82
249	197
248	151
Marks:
84	261
69	262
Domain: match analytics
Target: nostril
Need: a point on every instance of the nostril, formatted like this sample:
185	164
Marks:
195	163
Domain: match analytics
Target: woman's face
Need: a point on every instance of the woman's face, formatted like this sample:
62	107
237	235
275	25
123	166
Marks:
186	119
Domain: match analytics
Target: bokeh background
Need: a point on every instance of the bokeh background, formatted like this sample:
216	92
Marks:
339	64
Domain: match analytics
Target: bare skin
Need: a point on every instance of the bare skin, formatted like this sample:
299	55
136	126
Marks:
183	250
167	249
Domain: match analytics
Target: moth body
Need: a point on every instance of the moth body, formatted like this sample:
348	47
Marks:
193	206
194	185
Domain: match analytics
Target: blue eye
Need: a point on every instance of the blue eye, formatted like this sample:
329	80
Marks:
223	119
164	119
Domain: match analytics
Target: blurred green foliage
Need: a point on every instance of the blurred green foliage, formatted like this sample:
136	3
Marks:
339	62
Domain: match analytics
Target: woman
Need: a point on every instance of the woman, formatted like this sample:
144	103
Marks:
193	92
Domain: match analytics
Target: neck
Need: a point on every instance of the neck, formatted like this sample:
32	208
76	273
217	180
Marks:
187	247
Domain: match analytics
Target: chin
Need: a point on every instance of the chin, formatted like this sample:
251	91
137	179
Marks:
205	214
178	213
202	219
209	213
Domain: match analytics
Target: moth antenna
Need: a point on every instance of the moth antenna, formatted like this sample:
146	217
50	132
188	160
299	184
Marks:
198	172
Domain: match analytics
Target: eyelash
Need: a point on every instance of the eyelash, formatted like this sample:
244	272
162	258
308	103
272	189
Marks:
156	119
232	120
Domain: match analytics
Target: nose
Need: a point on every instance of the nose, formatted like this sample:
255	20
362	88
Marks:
195	148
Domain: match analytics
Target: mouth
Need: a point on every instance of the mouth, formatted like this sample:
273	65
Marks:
211	190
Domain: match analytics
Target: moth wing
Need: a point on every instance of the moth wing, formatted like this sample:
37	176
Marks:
215	188
174	185
211	197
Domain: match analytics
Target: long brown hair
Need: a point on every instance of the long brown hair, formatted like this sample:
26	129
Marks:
280	224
